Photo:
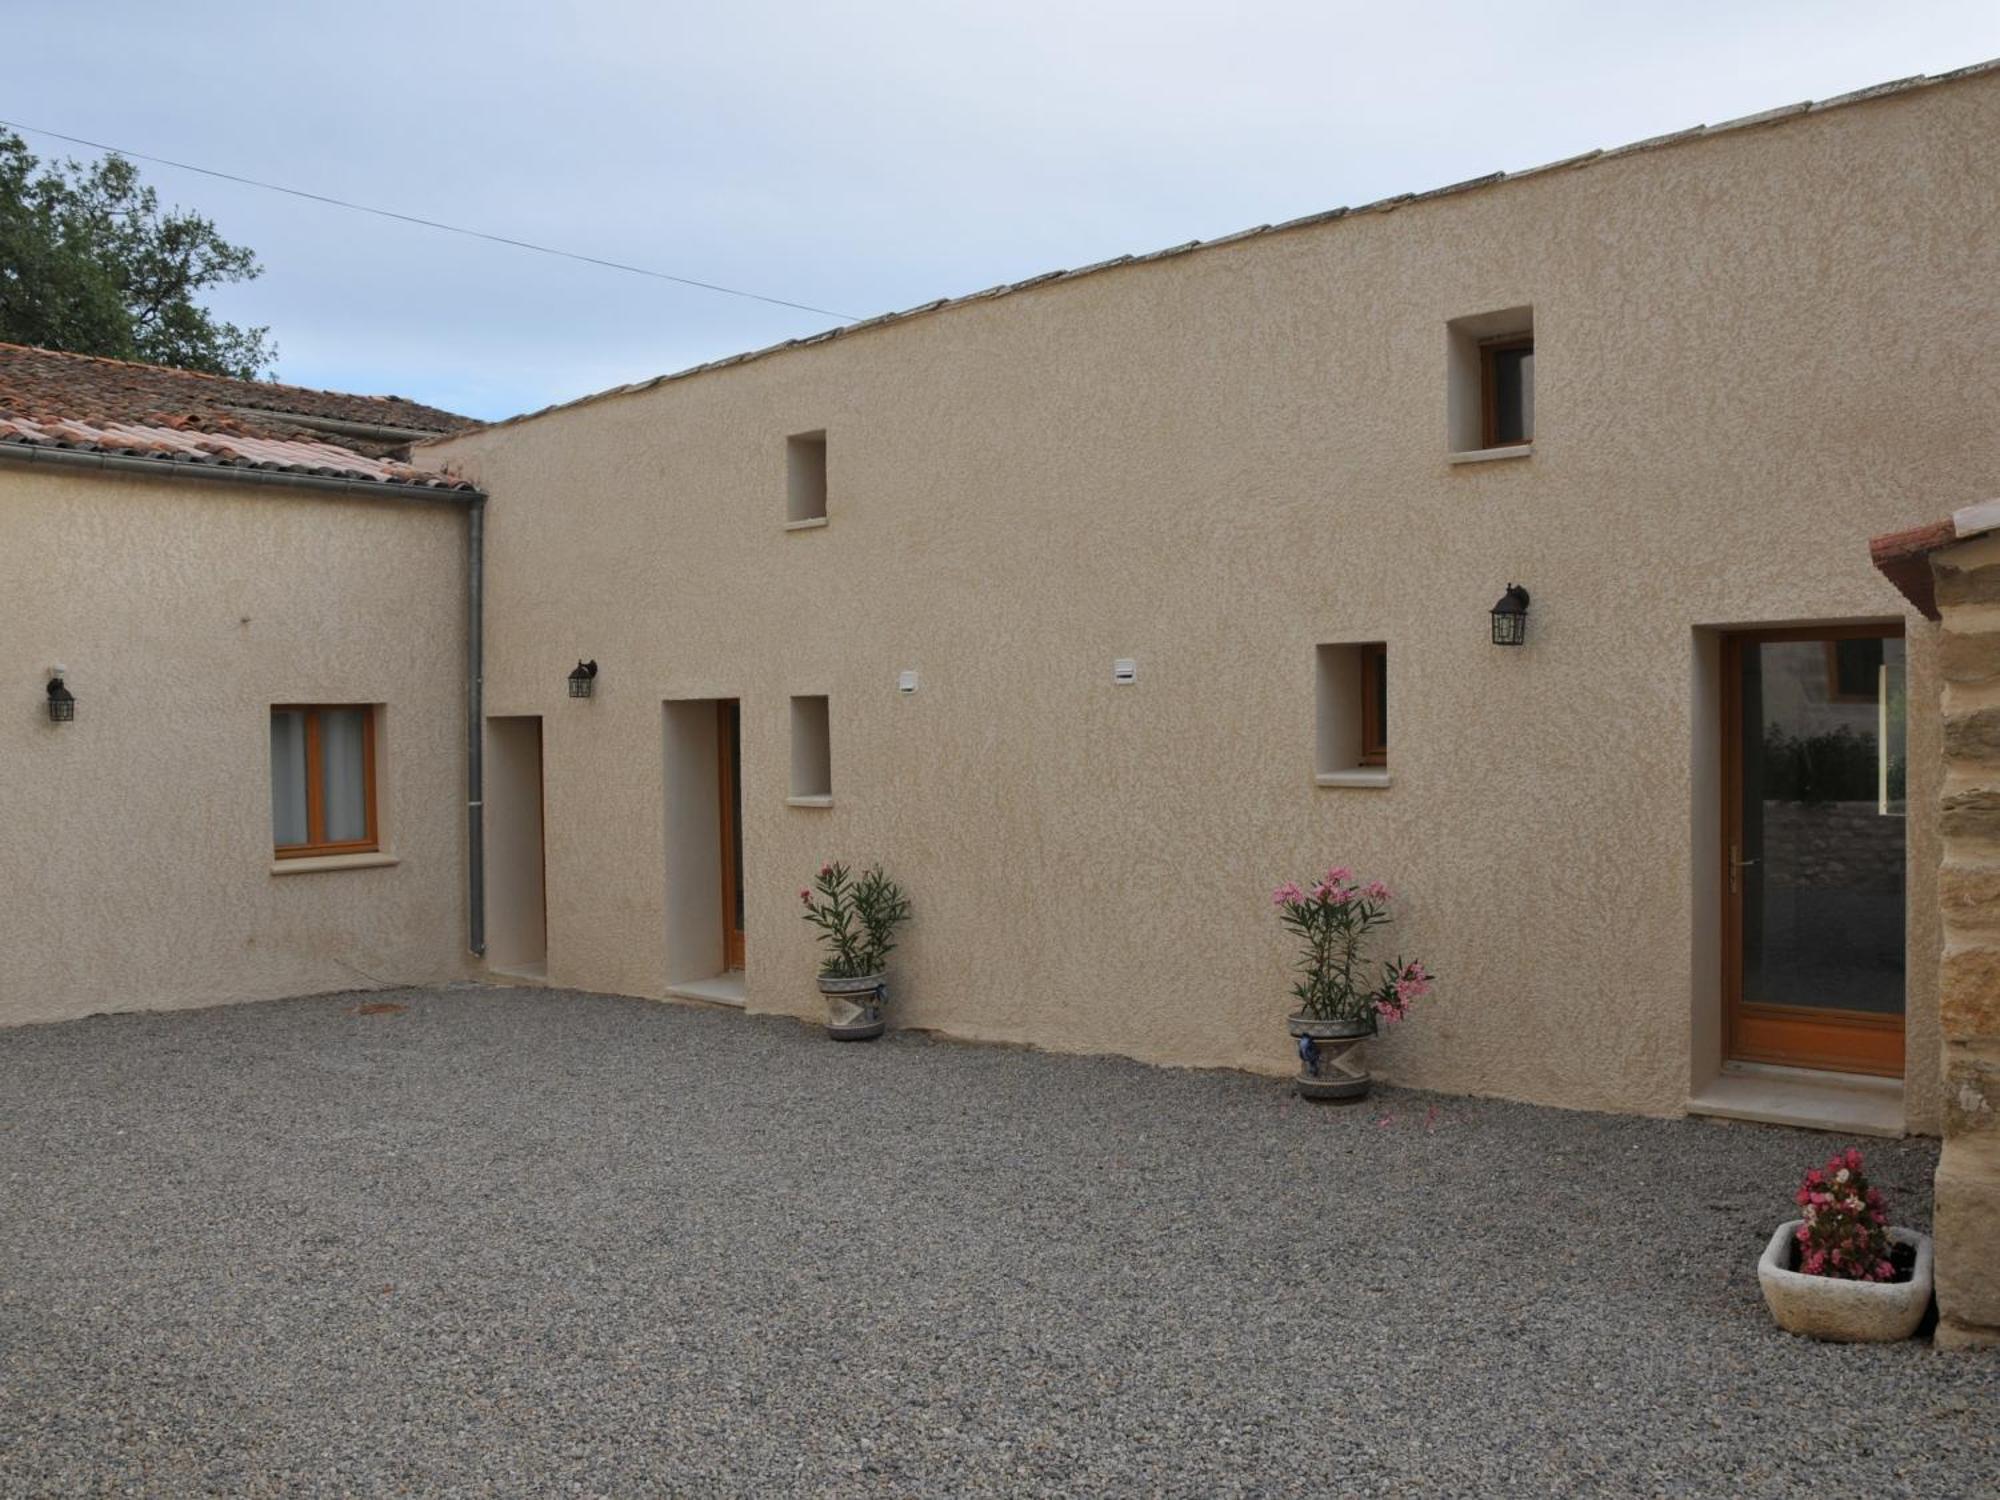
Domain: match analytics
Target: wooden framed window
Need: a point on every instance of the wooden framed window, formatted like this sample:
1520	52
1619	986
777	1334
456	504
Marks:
1507	391
1374	704
323	779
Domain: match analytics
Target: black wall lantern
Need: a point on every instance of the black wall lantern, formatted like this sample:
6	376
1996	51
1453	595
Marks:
62	702
1510	617
581	679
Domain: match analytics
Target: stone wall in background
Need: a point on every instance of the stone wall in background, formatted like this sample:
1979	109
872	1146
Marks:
1968	1180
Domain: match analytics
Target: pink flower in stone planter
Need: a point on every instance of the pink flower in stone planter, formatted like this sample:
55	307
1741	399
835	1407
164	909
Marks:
1844	1232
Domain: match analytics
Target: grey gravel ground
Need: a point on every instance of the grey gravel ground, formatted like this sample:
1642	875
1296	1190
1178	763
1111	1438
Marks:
518	1242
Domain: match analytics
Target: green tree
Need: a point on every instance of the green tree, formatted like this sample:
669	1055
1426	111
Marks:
89	264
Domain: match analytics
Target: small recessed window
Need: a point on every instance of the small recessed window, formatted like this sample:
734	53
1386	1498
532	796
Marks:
323	780
1352	690
812	751
805	478
1490	384
1508	391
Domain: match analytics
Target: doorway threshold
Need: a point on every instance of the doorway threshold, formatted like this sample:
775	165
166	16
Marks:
723	989
520	973
1847	1103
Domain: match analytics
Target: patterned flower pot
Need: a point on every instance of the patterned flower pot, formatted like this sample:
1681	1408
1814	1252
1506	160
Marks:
854	1006
1848	1312
1327	1050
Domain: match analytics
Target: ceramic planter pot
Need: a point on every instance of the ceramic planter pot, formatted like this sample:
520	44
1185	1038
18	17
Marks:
1848	1312
1327	1057
854	1006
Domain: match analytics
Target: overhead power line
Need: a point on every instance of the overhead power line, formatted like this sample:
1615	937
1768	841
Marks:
477	234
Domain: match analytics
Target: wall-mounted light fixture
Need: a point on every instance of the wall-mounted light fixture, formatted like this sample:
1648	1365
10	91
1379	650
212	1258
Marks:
1510	617
581	679
62	702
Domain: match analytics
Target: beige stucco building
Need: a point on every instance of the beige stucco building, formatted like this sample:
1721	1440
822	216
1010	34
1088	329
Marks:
1237	469
1094	607
193	564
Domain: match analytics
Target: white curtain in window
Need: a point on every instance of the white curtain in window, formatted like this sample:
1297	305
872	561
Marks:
342	758
288	776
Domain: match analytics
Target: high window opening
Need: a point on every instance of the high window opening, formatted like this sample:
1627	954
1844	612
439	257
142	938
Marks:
805	479
1490	383
1352	714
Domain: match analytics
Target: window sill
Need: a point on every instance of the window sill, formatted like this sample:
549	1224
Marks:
1370	776
811	523
313	864
809	801
1489	455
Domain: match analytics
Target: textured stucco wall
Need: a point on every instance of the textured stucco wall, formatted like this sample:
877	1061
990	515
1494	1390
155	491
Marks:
136	863
1754	352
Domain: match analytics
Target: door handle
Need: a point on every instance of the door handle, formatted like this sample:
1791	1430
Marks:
1737	863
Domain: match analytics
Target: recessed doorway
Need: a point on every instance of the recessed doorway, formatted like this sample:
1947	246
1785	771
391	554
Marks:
517	933
729	756
706	873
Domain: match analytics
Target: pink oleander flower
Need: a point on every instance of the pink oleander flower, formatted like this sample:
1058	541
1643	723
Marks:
825	870
1333	922
805	896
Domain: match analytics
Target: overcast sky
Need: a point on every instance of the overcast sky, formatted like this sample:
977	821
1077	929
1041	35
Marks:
859	157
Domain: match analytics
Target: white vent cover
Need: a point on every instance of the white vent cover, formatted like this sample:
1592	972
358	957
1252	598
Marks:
1124	671
906	683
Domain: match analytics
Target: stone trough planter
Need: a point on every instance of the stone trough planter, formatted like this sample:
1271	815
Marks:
1849	1312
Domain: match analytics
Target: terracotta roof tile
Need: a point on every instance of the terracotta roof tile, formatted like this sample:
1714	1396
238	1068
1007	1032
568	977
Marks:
50	399
240	451
1904	557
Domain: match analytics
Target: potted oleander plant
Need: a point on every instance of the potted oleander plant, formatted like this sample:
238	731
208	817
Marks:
857	917
1841	1271
1344	997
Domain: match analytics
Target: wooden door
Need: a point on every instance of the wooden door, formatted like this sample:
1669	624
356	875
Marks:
1813	847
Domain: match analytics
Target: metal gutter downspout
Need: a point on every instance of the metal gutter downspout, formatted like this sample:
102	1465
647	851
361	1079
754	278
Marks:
475	747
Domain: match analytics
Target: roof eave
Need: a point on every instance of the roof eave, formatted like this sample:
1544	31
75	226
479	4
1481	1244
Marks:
444	491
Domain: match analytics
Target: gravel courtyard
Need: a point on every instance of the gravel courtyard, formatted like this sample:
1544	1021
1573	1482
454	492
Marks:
524	1242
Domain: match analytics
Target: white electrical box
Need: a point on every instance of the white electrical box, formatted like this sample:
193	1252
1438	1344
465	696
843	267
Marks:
1124	671
906	683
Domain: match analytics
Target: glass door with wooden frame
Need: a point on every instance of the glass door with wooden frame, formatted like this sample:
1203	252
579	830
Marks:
729	781
1814	848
